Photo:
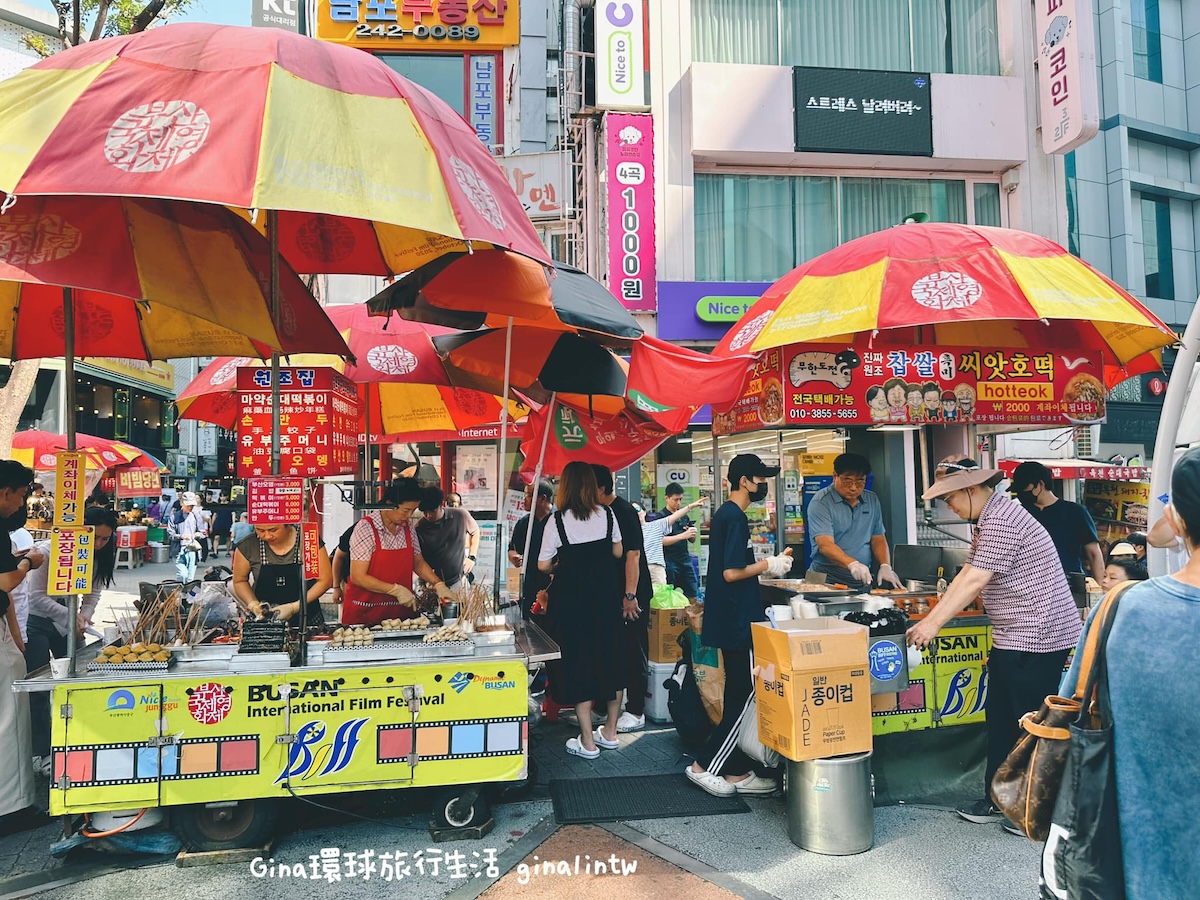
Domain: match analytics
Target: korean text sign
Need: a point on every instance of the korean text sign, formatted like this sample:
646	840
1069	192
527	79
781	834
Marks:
406	26
310	536
859	111
1067	91
138	482
318	422
620	55
632	274
835	385
68	488
71	556
275	501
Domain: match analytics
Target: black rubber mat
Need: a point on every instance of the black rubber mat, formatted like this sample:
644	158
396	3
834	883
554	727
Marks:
622	797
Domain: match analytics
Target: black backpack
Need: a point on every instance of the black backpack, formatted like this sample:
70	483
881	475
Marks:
683	699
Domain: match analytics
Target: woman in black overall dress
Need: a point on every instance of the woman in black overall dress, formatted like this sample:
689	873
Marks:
273	556
585	606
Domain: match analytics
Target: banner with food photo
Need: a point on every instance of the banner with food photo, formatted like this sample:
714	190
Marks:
835	385
1118	502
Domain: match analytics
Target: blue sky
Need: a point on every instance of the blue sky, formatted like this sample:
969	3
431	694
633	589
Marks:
222	12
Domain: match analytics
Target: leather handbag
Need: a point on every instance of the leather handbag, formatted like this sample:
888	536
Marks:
1026	786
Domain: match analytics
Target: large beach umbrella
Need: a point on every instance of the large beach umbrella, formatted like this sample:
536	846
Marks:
935	284
39	450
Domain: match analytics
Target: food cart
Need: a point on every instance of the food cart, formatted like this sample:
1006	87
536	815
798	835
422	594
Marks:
215	736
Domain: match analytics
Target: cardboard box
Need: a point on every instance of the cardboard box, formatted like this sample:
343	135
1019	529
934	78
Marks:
813	688
665	627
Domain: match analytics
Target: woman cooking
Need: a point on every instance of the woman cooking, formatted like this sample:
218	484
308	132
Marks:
384	555
268	572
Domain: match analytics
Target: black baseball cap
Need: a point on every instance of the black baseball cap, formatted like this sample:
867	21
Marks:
747	465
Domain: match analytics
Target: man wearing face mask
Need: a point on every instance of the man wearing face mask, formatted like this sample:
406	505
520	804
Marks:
1012	565
1070	525
733	601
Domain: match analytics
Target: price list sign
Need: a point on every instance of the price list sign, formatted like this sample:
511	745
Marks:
275	501
71	552
68	488
318	422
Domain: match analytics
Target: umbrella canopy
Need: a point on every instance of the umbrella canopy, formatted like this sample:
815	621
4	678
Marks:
543	362
403	387
371	173
198	274
468	291
944	284
39	450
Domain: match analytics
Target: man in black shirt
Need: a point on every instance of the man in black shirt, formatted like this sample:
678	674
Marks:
535	580
1070	525
638	592
676	549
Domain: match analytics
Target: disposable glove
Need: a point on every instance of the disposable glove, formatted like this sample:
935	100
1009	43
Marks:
443	591
778	566
887	575
404	595
860	572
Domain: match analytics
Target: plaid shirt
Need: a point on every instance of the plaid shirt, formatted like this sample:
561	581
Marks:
1028	598
362	539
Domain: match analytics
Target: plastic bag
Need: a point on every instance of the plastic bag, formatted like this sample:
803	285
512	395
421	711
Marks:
668	597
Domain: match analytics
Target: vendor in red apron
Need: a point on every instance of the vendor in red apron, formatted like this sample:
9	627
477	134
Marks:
268	574
384	556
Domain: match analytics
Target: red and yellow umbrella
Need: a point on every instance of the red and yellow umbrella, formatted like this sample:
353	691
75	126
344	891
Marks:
944	284
152	280
404	390
39	450
370	173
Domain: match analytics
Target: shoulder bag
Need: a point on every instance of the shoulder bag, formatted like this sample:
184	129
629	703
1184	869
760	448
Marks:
1026	786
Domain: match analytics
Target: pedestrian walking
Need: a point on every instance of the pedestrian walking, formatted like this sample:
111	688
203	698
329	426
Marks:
183	528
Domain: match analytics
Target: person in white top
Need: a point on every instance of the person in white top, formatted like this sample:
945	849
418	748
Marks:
22	542
653	532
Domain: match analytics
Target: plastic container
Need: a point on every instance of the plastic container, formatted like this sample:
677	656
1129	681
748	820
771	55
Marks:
831	804
656	703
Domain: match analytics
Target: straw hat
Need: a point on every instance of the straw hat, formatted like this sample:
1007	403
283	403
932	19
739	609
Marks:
955	473
1122	549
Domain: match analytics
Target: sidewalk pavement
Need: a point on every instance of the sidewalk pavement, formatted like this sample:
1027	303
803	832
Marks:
925	851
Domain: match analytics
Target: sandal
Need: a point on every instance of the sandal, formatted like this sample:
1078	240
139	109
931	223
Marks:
602	741
575	748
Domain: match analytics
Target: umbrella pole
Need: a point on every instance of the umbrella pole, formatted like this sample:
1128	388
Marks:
537	477
366	470
273	237
69	395
501	484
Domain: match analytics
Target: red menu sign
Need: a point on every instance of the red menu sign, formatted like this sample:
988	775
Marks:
824	384
138	483
275	501
318	422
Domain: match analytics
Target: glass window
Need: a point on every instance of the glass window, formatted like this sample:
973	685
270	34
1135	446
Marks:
758	227
904	35
1147	40
444	76
1156	248
987	203
1072	203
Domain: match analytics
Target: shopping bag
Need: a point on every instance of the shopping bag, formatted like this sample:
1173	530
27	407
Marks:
1082	857
1026	785
748	741
709	672
668	597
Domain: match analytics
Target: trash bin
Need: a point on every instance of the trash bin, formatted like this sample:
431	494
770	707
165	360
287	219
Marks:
831	804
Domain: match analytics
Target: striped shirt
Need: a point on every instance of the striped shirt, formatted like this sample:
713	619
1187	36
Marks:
1028	598
362	539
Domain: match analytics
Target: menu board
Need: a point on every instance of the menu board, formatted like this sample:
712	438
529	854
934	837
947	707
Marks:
835	385
275	501
318	422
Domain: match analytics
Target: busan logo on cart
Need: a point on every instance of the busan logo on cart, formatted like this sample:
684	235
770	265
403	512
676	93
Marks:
460	681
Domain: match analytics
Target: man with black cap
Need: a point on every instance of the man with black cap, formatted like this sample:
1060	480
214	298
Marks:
1012	565
1070	525
732	601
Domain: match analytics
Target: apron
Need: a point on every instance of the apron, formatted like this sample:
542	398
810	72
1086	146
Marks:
16	773
363	607
278	583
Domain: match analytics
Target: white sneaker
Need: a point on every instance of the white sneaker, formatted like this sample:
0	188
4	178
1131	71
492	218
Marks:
629	722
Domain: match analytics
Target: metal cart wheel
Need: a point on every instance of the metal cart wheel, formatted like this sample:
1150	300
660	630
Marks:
461	807
225	826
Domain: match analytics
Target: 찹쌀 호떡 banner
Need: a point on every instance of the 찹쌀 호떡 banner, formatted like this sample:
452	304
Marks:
835	385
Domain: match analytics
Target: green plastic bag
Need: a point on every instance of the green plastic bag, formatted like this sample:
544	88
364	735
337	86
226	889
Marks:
668	597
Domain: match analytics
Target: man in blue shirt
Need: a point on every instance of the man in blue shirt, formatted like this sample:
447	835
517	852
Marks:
845	521
732	601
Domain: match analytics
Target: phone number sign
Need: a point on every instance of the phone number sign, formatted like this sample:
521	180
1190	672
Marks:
420	25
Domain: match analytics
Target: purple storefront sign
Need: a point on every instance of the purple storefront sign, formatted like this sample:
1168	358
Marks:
631	265
703	310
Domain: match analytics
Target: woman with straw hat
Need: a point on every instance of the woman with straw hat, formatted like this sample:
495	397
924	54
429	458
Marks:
1014	566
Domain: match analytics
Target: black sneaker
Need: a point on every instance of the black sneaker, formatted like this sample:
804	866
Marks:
981	812
1011	828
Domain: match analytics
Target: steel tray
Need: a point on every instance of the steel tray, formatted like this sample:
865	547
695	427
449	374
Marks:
403	633
392	652
493	638
202	652
260	662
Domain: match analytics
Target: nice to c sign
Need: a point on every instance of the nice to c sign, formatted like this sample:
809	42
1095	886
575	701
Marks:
620	61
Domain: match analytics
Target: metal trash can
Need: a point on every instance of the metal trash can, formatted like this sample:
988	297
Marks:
160	554
831	804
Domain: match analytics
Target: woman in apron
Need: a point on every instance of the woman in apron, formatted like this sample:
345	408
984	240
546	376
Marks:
268	573
585	606
384	556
